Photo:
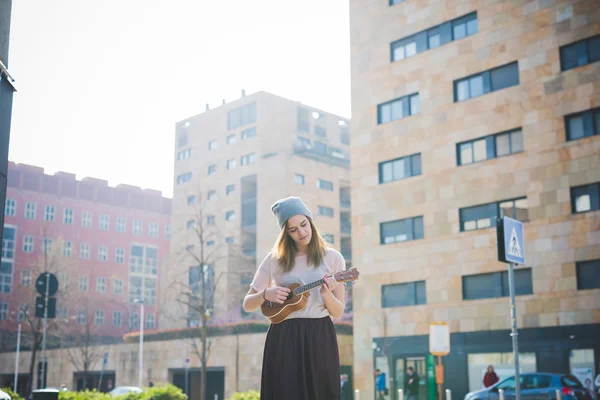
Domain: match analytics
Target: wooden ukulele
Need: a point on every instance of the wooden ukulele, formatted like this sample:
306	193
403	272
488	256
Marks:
298	297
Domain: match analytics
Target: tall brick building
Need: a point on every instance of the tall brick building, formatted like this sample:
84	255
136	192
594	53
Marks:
104	244
463	112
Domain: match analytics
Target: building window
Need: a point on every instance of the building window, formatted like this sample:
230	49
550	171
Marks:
344	133
398	108
588	275
137	227
64	280
116	319
303	124
10	208
210	243
153	229
231	139
183	178
211	195
143	269
230	215
484	216
49	213
401	230
584	124
182	139
213	145
400	168
84	251
120	224
167	231
488	147
68	216
325	185
585	198
30	209
99	317
229	189
118	286
403	294
229	240
212	169
47	246
184	154
3	311
299	179
580	53
230	164
28	244
26	278
241	116
320	131
191	200
150	321
303	143
104	222
81	317
328	238
190	225
495	284
210	219
67	249
86	219
248	133
102	253
248	159
325	211
434	37
101	285
394	2
83	283
8	243
120	256
486	82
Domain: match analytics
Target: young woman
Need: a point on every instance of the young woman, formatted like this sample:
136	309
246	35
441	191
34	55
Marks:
300	360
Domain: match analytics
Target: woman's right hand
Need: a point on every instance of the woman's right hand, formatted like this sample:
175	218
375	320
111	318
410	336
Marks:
277	294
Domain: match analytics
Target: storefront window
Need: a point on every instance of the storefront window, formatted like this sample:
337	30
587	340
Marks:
503	366
582	365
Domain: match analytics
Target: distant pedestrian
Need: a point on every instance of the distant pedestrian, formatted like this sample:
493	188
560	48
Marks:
380	385
490	377
412	384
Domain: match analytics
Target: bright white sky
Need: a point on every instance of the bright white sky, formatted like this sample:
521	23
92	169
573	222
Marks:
101	83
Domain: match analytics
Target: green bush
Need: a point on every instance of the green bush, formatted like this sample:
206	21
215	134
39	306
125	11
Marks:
86	395
166	392
249	395
13	395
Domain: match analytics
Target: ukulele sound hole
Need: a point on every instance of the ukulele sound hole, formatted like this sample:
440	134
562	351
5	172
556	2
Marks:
290	295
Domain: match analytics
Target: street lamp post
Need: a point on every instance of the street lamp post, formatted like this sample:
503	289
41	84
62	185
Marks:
141	350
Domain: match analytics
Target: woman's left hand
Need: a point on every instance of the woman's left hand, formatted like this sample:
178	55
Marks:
329	286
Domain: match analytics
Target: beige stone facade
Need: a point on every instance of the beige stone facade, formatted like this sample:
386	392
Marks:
550	165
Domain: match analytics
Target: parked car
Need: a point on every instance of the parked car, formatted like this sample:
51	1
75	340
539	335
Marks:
535	386
4	395
121	390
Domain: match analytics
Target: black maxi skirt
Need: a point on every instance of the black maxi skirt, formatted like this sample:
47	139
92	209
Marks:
301	361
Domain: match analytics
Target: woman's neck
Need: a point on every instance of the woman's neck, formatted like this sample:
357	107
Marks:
300	251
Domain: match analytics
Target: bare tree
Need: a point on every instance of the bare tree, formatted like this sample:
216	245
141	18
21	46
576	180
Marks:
203	247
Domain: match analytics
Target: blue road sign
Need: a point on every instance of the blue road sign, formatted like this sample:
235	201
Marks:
511	241
105	358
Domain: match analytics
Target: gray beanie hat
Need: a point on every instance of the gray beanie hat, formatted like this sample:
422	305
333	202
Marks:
286	208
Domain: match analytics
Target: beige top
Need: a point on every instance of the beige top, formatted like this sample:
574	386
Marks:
333	262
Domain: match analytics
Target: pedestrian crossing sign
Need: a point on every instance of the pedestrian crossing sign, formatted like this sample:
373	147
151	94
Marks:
510	241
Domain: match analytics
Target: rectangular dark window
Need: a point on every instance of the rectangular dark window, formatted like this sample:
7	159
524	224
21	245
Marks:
303	143
212	169
403	294
325	185
486	82
398	108
241	116
588	275
248	133
583	124
488	147
400	168
484	216
585	198
229	189
580	53
183	178
303	120
325	211
401	230
495	284
434	37
344	133
320	131
394	2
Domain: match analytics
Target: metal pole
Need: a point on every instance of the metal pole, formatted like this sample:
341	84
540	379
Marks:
356	394
187	370
514	333
17	359
400	394
141	366
45	328
448	394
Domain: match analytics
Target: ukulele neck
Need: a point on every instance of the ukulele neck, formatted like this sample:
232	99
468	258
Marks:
308	287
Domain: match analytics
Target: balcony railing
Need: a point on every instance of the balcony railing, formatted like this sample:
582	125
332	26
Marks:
326	154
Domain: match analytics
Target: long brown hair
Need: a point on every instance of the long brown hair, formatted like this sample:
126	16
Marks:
285	251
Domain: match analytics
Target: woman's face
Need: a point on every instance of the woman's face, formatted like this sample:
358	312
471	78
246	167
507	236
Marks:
490	369
298	227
